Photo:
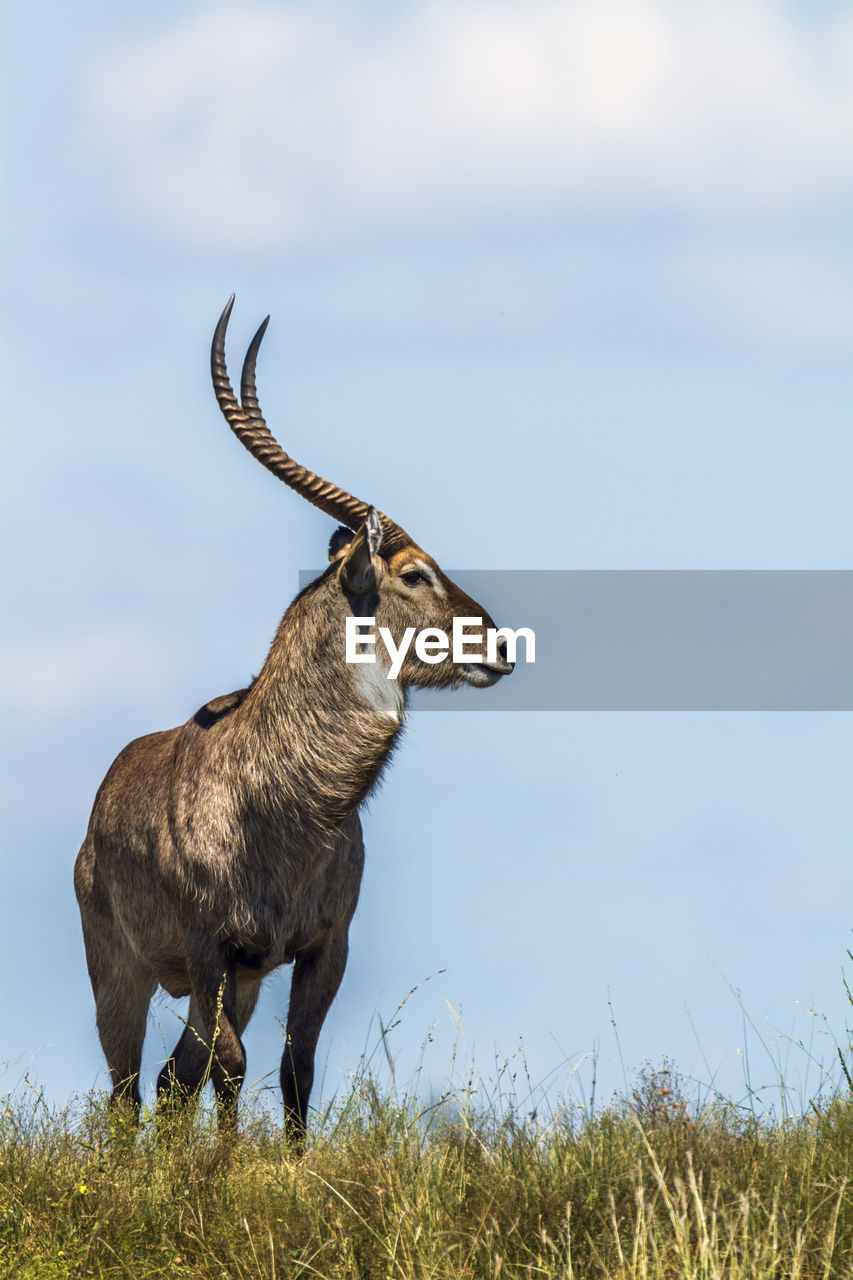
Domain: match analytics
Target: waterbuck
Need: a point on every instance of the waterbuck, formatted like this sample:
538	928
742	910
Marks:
224	848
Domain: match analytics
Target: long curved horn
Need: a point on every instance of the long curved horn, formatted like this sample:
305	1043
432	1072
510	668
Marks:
247	423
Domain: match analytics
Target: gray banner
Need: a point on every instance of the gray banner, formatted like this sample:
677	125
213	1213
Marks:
715	640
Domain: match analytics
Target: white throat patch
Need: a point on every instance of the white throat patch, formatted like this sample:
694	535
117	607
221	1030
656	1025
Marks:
384	695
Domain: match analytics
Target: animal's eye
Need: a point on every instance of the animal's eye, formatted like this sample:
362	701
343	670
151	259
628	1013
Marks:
412	578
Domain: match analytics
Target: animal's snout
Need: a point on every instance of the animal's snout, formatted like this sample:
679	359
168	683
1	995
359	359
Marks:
502	663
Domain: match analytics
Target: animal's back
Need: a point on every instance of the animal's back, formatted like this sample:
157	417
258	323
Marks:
131	814
164	850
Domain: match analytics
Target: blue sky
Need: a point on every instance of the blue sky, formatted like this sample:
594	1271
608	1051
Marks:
557	285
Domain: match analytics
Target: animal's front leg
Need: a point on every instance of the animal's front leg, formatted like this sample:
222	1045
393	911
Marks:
316	978
187	1068
214	992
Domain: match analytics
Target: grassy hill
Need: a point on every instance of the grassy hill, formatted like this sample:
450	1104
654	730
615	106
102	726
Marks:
650	1186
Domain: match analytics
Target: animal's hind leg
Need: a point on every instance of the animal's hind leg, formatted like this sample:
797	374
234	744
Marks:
191	1062
123	989
122	985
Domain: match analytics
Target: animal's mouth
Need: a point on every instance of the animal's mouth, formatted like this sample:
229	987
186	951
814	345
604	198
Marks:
483	674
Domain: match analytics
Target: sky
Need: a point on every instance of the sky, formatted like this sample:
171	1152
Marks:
559	285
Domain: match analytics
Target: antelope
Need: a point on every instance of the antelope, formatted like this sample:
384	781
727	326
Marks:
228	846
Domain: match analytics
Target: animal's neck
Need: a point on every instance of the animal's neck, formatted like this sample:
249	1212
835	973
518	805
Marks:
323	732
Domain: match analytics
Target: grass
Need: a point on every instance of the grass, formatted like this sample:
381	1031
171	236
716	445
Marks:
651	1186
648	1187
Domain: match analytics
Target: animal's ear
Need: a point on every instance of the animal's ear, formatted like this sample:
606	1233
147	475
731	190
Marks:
339	542
358	562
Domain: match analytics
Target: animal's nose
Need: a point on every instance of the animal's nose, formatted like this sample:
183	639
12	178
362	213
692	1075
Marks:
503	663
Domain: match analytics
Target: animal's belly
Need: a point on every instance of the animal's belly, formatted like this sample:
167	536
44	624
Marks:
175	982
262	935
249	966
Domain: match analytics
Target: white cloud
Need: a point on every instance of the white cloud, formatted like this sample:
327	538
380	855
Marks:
267	128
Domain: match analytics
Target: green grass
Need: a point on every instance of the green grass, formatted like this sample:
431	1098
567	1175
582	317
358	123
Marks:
657	1184
650	1186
